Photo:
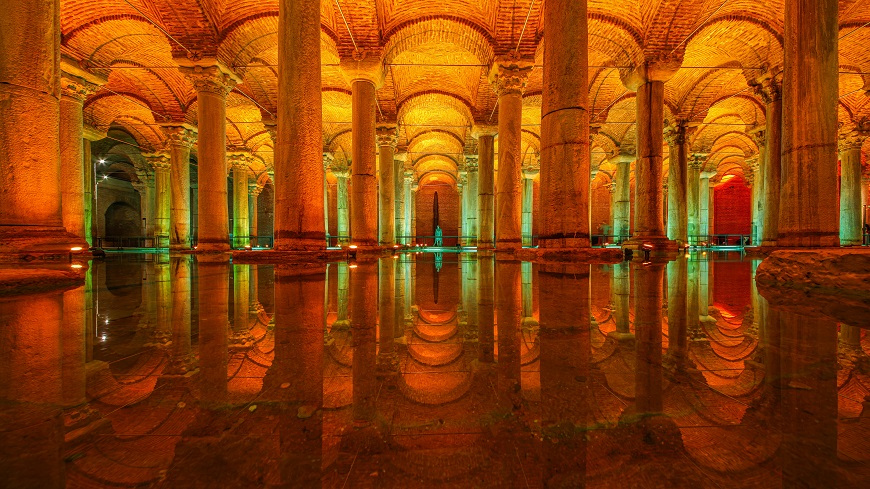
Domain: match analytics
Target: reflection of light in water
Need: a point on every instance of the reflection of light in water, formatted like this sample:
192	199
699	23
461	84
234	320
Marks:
103	337
439	261
107	321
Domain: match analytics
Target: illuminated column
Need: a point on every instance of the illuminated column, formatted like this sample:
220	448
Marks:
31	219
76	85
508	78
693	288
678	182
180	139
182	358
299	145
865	196
161	332
678	310
758	188
485	308
407	181
239	163
213	298
90	134
649	82
769	87
364	316
343	273
485	186
508	303
254	190
388	361
147	199
851	214
565	147
621	197
621	291
212	84
328	163
343	217
461	182
529	174
471	198
241	328
756	185
705	202
160	162
387	138
364	76
399	192
808	205
693	200
414	188
648	334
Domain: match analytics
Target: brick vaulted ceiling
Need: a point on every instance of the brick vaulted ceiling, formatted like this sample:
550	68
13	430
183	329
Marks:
437	54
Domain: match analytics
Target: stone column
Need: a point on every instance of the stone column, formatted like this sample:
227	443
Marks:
693	200
213	291
529	174
364	77
769	87
145	187
753	179
485	186
414	211
460	191
90	134
31	220
180	140
399	192
387	138
851	212
471	198
299	146
182	358
75	88
758	204
648	334
407	181
160	162
241	336
565	147
621	197
328	163
808	206
239	163
508	78
865	197
649	82
621	291
705	197
343	217
212	84
678	182
254	191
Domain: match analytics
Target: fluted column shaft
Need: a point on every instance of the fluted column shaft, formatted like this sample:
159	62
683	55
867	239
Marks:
387	139
240	204
851	221
808	207
565	155
485	191
648	218
621	197
299	146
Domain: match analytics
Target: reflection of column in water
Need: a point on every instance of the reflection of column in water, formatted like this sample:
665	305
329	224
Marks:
469	281
241	336
407	265
648	334
485	312
387	360
73	343
182	358
678	310
343	278
31	366
704	291
508	303
161	333
296	374
692	300
399	303
565	353
621	290
363	307
527	289
213	295
809	401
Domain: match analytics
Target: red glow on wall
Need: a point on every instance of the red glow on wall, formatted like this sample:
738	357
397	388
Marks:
732	207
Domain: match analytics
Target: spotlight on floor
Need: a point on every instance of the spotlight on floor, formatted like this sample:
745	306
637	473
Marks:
351	252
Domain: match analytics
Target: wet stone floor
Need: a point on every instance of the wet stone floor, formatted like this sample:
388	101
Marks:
428	370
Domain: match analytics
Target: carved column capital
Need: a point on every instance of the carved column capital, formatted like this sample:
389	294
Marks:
214	78
183	135
340	171
853	138
509	76
328	161
387	135
471	163
238	159
530	172
697	161
254	189
76	88
158	161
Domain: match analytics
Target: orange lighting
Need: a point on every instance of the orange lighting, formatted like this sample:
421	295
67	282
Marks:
76	248
76	265
353	247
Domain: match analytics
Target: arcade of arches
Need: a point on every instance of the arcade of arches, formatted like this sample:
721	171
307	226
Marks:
676	110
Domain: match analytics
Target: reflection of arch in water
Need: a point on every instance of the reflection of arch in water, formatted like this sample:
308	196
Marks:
124	220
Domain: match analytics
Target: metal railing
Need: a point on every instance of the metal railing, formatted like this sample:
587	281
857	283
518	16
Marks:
710	240
261	241
119	242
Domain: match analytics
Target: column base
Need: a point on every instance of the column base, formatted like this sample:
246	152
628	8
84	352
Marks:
212	247
564	242
27	242
657	246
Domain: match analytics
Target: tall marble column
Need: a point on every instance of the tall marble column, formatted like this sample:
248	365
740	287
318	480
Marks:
399	192
160	162
387	138
865	196
758	203
851	212
147	201
565	148
254	191
239	163
508	78
621	198
299	146
649	82
648	332
471	198
31	219
508	303
364	77
407	181
529	174
706	202
212	84
328	164
485	308
693	198
769	87
180	139
90	134
808	206
485	186
678	217
755	182
342	174
76	85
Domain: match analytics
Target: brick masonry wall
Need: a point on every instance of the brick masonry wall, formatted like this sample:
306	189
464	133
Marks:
448	206
732	207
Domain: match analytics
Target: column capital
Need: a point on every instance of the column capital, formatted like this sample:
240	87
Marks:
697	161
481	130
678	132
328	160
753	163
530	172
759	136
625	157
145	178
768	85
183	135
238	158
706	175
254	189
408	176
91	133
508	75
363	67
340	171
853	138
76	81
386	134
158	161
658	66
209	76
611	187
471	162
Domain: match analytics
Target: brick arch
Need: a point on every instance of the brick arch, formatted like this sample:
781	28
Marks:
460	33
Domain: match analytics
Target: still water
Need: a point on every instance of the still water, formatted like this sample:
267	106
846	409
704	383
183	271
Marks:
428	371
